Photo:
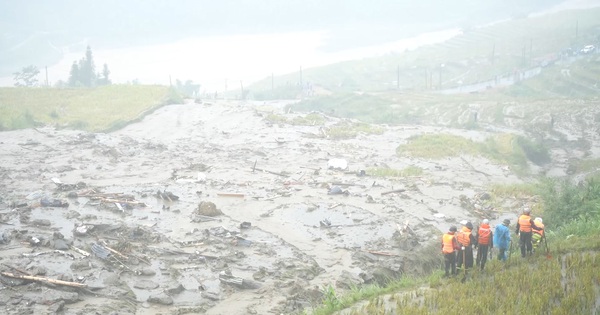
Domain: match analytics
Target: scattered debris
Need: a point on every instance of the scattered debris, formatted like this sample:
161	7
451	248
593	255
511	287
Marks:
337	164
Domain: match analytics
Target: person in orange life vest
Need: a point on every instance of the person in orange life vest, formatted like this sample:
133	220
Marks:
466	241
538	235
485	242
525	226
449	248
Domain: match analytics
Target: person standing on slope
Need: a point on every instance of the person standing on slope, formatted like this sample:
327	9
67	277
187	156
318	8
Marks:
525	226
485	242
449	248
466	241
502	238
538	235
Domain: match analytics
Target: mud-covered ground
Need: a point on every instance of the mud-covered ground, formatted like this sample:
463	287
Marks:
210	208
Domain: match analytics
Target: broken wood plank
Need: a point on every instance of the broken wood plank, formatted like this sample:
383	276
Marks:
80	251
69	255
113	251
254	168
43	279
230	195
110	200
393	191
341	184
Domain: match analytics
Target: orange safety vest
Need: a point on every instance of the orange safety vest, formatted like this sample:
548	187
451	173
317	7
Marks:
484	234
464	236
525	223
541	226
448	243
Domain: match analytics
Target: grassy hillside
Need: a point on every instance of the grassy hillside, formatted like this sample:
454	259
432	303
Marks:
98	109
479	54
562	280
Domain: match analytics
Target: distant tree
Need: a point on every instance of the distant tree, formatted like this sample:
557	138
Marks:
88	69
103	77
84	72
188	88
27	76
74	75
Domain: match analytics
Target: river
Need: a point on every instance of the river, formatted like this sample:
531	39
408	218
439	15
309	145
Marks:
216	62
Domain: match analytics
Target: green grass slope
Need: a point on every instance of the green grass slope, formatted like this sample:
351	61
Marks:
97	109
477	55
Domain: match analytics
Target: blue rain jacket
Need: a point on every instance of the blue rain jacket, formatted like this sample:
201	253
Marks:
501	236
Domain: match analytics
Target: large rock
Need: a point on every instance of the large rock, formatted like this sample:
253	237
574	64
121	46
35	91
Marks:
145	285
160	298
208	208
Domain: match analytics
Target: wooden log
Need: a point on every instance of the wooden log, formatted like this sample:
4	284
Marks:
393	191
43	279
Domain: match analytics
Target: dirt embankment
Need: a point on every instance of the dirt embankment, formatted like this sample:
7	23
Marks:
210	208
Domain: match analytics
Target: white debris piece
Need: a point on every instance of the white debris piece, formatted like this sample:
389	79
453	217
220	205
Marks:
338	164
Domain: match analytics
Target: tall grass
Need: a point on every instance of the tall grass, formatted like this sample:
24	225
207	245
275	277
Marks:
97	109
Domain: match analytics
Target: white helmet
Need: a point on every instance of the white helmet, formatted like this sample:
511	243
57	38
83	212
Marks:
486	221
538	220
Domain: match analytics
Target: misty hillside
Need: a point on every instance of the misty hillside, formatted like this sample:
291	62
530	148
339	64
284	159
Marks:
40	32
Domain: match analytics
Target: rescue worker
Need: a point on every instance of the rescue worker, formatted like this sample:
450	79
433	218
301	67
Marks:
538	235
502	238
466	241
485	242
525	226
449	248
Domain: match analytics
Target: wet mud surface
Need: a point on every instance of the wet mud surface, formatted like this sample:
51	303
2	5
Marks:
211	208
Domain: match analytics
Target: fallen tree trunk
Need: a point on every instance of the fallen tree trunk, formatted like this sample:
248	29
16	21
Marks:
42	279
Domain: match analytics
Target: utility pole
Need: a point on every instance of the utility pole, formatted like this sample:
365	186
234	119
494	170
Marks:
398	79
440	84
530	49
242	89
